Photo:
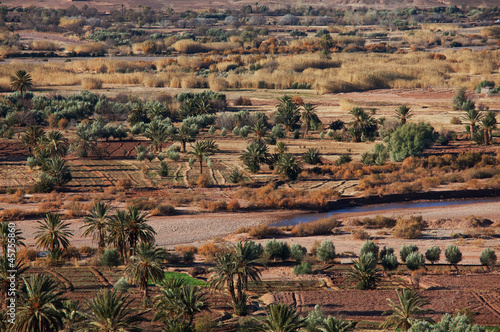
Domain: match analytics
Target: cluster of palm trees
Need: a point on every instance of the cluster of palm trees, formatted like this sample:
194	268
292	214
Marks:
289	114
482	122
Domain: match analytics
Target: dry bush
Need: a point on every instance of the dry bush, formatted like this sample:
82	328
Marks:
50	206
68	21
492	32
409	228
347	104
75	209
152	82
111	190
223	66
143	203
233	205
378	222
314	248
220	46
316	227
210	249
87	250
203	181
360	234
123	183
43	45
264	231
217	84
163	210
91	83
27	254
187	46
214	206
86	48
194	62
186	248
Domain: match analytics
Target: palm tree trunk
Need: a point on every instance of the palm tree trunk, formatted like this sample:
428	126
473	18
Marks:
239	288
183	146
201	165
145	292
230	288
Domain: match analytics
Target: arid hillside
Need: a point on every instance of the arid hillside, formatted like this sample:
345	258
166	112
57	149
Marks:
193	4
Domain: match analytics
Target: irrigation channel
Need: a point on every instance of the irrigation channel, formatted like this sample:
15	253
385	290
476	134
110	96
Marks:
382	208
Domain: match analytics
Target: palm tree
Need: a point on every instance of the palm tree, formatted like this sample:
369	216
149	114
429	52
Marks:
40	306
32	137
365	272
233	269
180	300
473	116
407	311
259	129
363	124
203	149
97	223
185	134
73	316
282	318
56	168
332	324
137	228
4	238
6	268
56	144
158	132
309	116
288	167
111	313
53	233
288	113
21	81
488	123
403	113
255	154
117	235
145	265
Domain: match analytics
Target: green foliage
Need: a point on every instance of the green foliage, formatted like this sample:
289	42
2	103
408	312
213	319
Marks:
53	233
364	272
433	254
111	258
282	318
386	251
21	81
410	140
121	285
288	167
415	260
302	268
163	170
453	254
369	246
297	252
488	257
378	156
406	250
277	250
484	84
363	126
255	154
405	313
448	323
390	262
288	113
343	159
326	252
278	131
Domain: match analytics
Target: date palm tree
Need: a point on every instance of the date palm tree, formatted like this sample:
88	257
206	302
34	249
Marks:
117	232
145	265
364	272
288	113
259	129
403	113
407	311
255	154
6	266
57	169
488	123
53	233
185	134
21	81
308	116
363	124
32	137
180	300
56	144
73	317
158	132
40	306
111	312
97	223
332	324
137	228
282	318
288	167
473	116
202	149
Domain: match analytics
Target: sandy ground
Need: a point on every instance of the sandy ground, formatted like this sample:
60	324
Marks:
196	229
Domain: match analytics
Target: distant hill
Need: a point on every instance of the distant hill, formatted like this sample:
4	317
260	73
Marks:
220	4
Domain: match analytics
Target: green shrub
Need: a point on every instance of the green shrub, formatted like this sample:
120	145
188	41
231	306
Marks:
297	252
302	268
369	246
386	251
406	250
410	139
433	254
326	251
277	250
410	228
389	262
163	169
415	261
343	159
121	285
488	257
110	258
453	255
312	157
